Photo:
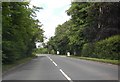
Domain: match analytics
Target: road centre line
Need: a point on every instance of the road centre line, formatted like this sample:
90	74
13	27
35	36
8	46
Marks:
52	61
65	75
55	63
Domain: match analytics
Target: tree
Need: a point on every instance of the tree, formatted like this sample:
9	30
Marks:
89	24
20	30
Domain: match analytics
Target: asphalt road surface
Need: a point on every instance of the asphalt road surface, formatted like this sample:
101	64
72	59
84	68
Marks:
52	67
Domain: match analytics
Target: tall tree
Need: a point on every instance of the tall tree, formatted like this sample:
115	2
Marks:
20	30
89	23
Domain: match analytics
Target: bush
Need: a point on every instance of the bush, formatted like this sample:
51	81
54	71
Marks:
42	51
88	49
12	51
9	53
108	48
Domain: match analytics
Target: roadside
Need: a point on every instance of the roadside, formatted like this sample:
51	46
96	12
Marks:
8	67
116	62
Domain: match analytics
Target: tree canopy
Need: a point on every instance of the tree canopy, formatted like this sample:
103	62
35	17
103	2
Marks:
20	30
89	24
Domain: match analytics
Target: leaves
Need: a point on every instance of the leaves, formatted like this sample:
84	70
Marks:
20	30
89	24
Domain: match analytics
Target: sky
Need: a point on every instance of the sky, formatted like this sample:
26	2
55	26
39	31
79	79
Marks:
52	14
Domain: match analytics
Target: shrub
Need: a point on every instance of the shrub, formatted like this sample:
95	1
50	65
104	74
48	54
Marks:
42	51
108	48
11	54
87	50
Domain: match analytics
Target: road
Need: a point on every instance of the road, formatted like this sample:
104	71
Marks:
52	67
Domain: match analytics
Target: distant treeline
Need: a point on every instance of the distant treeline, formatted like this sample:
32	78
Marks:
92	31
20	31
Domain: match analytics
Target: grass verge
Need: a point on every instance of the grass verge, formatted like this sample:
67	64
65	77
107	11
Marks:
116	62
7	67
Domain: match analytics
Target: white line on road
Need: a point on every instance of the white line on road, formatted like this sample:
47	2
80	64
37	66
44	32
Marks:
50	58
55	63
68	78
52	61
65	75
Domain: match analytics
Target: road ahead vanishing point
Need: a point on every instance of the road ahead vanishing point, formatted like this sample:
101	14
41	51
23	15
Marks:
52	67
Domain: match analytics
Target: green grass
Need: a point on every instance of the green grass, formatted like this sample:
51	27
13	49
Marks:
99	60
6	67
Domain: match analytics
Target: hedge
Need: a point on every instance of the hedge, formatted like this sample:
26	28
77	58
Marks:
108	48
105	49
88	50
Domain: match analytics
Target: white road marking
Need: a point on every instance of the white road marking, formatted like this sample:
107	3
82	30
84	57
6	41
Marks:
65	75
55	63
50	58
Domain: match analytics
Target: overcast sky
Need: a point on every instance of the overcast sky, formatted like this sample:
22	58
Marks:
52	14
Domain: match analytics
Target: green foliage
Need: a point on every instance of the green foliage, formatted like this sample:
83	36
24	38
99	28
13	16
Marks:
9	48
108	48
20	31
7	67
89	24
60	41
41	51
88	49
99	60
104	49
